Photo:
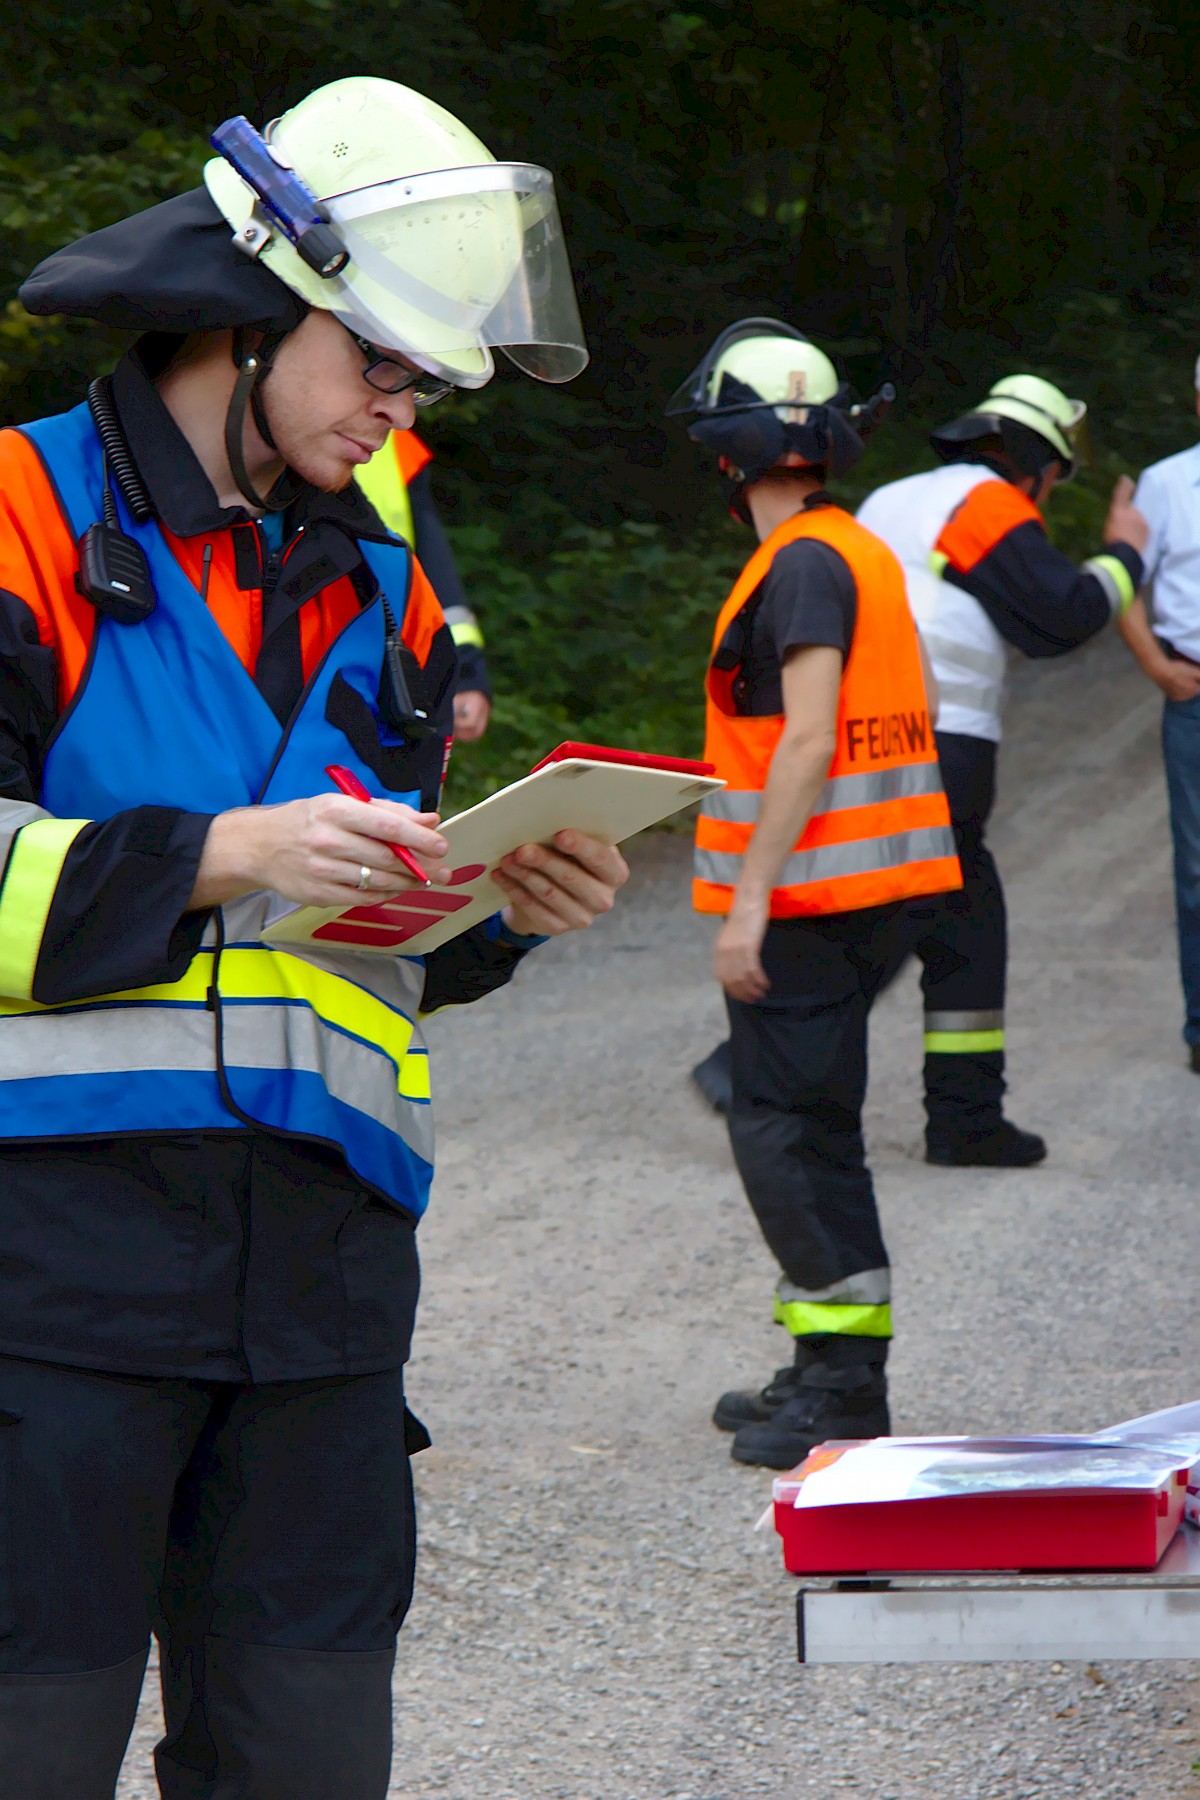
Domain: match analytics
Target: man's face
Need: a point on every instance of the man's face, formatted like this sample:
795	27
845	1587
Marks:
325	419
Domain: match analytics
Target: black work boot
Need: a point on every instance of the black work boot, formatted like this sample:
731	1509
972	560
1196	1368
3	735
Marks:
753	1406
714	1077
63	1737
1000	1145
844	1395
964	1099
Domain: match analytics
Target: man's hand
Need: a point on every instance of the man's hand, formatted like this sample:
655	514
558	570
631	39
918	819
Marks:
561	889
737	959
313	852
1178	680
472	710
1125	524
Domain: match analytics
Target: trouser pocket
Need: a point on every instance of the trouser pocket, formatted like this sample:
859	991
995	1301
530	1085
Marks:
9	1421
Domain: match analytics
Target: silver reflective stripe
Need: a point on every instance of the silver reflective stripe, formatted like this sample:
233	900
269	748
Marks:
863	856
991	663
143	1036
978	695
740	806
732	806
13	815
293	1037
101	1039
871	1287
964	1021
842	792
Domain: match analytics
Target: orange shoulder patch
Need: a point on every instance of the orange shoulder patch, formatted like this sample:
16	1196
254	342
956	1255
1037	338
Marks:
38	560
423	617
411	454
987	514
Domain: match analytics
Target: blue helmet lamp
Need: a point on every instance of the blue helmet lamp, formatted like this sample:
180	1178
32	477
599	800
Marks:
287	200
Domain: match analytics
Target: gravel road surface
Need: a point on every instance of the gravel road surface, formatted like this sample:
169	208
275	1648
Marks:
595	1618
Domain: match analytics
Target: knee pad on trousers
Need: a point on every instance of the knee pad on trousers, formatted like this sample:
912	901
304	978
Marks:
284	1725
63	1737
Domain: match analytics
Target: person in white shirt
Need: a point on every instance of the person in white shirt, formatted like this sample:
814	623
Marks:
1162	629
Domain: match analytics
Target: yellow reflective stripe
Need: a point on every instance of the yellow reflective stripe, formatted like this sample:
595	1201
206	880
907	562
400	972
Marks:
383	484
963	1043
465	632
1115	579
937	562
34	865
414	1076
191	989
273	975
804	1317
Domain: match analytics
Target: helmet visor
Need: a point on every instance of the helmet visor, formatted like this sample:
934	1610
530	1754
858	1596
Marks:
447	265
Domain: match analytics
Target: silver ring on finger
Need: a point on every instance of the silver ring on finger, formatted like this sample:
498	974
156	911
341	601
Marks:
364	877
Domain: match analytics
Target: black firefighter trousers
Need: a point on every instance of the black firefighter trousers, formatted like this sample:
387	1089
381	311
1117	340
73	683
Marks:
962	942
799	1063
264	1533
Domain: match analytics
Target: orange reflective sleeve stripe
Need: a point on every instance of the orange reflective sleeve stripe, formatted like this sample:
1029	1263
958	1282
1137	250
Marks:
985	515
411	454
38	560
423	616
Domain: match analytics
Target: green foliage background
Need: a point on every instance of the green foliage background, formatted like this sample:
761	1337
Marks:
941	192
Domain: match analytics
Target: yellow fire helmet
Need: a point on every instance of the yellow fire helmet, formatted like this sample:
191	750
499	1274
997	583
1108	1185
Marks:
451	254
1026	401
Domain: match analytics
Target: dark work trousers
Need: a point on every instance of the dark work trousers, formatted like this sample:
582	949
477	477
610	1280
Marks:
264	1532
799	1061
962	941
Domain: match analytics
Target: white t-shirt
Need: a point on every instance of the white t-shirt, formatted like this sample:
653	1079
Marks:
1169	495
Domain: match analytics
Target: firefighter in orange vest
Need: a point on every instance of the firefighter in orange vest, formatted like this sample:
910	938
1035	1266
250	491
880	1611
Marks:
834	817
396	482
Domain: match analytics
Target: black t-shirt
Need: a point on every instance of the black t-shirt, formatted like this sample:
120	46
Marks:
807	597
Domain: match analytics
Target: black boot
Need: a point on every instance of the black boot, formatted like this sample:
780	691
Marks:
63	1737
252	1722
843	1395
1001	1145
752	1406
964	1097
714	1077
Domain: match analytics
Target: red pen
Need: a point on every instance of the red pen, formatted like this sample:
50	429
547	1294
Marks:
348	783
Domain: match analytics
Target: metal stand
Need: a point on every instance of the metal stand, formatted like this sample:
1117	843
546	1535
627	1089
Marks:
1007	1618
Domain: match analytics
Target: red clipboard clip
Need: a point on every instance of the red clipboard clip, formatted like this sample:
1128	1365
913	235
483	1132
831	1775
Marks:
639	759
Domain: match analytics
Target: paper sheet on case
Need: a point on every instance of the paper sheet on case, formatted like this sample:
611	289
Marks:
896	1469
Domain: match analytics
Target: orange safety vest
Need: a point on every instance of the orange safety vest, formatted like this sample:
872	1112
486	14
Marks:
880	830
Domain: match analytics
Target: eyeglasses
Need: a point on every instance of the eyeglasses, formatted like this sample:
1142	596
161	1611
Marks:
391	376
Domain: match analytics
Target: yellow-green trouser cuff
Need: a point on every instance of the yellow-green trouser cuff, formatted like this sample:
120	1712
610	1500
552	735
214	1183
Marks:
805	1318
31	874
1116	581
962	1043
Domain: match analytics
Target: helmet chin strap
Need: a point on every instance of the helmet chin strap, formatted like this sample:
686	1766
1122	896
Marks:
252	365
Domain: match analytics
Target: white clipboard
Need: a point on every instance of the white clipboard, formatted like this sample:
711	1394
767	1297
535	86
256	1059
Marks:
611	801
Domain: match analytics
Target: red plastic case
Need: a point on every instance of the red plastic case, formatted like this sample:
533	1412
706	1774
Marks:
960	1534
